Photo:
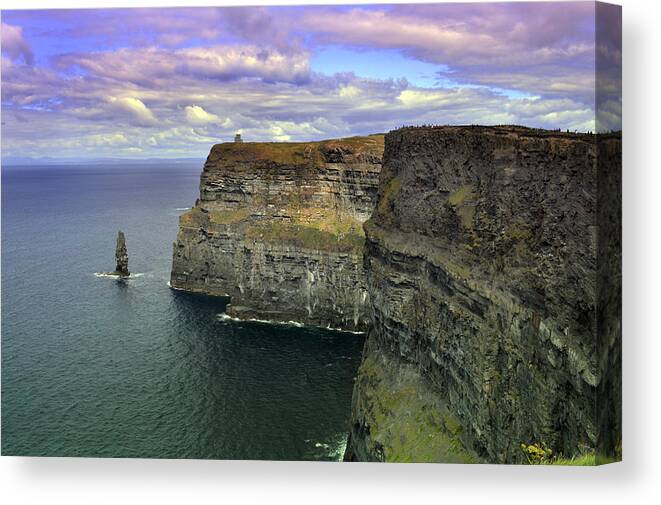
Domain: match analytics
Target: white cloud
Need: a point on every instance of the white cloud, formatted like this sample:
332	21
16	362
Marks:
187	124
350	92
137	110
110	139
14	44
196	115
155	67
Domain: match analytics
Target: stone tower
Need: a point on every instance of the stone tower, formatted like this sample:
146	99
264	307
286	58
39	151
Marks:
237	138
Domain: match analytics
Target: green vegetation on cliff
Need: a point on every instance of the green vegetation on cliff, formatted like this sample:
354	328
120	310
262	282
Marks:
486	273
198	217
229	216
584	460
313	229
407	422
305	236
192	218
277	227
313	154
386	198
541	454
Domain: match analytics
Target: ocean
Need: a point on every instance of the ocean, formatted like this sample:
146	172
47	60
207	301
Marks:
95	366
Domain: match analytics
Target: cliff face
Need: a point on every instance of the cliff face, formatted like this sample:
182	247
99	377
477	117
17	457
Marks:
278	228
491	325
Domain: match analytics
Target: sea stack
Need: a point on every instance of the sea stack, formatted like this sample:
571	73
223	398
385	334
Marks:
121	256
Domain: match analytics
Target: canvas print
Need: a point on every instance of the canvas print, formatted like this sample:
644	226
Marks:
360	233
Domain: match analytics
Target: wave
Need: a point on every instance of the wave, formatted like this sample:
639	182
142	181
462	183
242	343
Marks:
110	275
330	328
226	317
182	208
335	448
193	292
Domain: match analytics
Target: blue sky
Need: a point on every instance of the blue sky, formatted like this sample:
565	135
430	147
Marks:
377	64
170	82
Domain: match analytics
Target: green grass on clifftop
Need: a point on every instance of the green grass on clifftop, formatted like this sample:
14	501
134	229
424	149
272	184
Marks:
296	153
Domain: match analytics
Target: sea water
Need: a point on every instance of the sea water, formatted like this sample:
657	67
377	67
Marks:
96	366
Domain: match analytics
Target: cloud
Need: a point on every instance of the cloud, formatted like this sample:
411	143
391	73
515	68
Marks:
462	34
154	67
196	115
111	139
178	27
14	44
350	92
534	48
104	27
159	90
136	109
186	124
517	46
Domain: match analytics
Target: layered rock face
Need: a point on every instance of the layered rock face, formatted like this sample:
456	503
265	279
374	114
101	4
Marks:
493	271
278	228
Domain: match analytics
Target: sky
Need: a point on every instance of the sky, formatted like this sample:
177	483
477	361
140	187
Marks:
170	82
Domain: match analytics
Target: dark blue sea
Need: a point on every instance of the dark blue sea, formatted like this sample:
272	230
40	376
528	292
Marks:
93	366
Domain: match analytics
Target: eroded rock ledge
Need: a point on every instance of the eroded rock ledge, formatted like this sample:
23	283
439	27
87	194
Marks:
491	325
278	228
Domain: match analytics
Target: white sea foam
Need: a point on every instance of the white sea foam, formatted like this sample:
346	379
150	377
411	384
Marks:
227	317
334	448
189	291
330	328
110	275
182	208
297	324
101	274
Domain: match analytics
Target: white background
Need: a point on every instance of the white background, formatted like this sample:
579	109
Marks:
636	480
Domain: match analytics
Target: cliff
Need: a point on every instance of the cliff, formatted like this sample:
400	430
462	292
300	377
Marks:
493	271
278	228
